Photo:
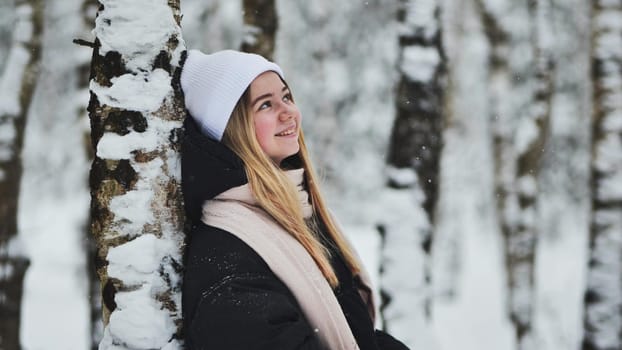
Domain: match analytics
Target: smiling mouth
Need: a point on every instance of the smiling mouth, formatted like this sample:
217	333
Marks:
287	132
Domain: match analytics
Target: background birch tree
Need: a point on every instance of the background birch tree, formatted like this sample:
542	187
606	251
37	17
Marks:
136	113
55	191
413	171
603	298
518	134
260	25
468	268
562	219
17	85
532	131
7	11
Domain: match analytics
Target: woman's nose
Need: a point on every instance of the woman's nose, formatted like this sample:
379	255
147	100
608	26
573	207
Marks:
285	112
285	115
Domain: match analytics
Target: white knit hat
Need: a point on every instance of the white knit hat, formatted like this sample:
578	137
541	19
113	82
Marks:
214	83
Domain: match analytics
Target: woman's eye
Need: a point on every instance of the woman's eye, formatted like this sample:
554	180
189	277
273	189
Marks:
287	97
264	105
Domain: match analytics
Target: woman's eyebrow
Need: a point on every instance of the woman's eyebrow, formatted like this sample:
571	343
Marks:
266	95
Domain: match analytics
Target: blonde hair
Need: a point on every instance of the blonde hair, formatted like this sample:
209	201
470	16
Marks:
277	195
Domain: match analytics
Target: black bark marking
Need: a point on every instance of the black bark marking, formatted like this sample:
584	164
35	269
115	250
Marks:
99	263
98	173
120	122
176	80
107	67
125	174
163	61
108	293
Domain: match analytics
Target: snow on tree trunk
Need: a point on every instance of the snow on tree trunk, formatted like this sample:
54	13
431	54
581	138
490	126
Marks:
416	139
136	113
413	167
530	138
519	131
603	297
563	185
260	24
16	90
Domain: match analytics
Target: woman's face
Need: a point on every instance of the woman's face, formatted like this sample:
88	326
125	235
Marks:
277	119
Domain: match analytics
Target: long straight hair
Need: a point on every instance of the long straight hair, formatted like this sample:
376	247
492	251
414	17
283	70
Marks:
277	195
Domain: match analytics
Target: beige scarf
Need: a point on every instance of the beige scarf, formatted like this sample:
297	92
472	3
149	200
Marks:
237	212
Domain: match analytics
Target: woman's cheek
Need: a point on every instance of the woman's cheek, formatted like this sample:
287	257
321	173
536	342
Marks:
263	130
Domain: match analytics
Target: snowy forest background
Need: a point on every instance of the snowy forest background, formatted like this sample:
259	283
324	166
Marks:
471	149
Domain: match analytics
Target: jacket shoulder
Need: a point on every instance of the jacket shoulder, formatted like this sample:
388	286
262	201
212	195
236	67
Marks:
232	300
211	247
214	255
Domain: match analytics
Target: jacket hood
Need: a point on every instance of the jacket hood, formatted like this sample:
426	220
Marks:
208	168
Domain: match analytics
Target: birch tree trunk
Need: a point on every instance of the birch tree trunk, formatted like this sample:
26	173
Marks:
413	164
89	10
136	113
261	23
16	91
416	138
535	125
530	139
519	118
563	186
7	16
603	298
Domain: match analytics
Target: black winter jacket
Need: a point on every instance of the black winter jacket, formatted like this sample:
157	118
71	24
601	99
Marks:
230	298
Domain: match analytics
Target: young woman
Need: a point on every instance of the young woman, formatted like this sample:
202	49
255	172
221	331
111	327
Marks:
266	265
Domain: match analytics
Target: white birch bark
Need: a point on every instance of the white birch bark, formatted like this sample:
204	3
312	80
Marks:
260	26
54	195
563	186
518	129
17	84
413	174
136	115
530	136
603	298
469	310
7	21
405	281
